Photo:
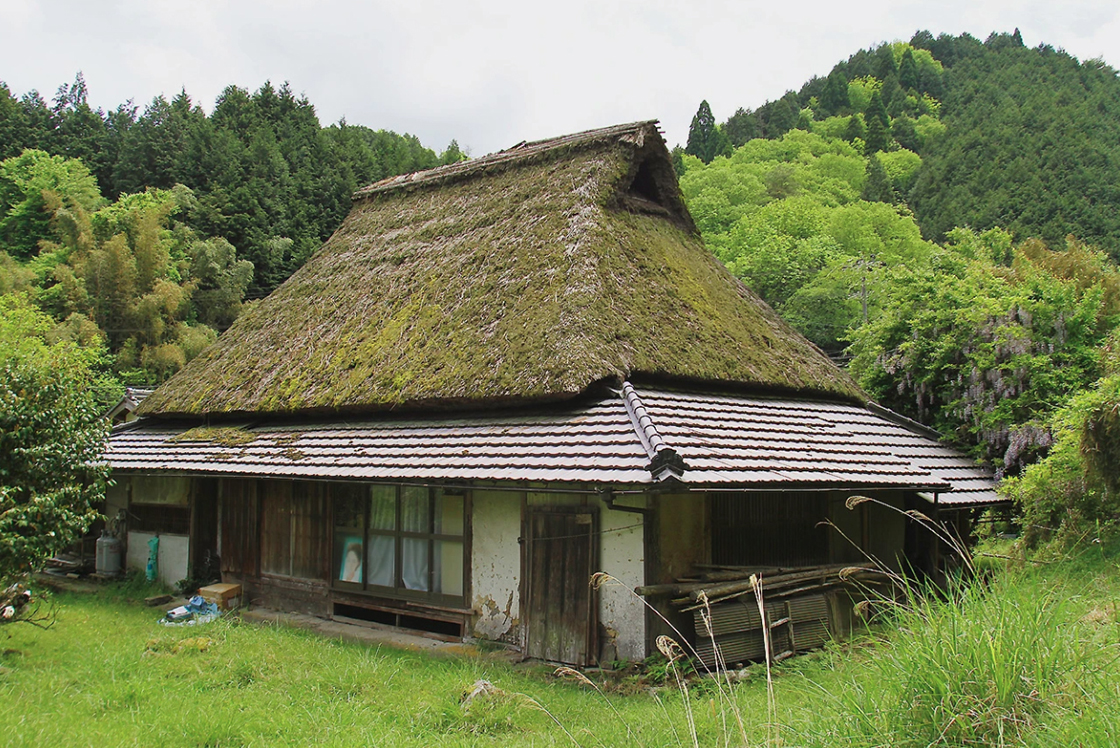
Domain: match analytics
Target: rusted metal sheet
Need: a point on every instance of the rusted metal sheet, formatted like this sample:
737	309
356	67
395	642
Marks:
732	632
560	607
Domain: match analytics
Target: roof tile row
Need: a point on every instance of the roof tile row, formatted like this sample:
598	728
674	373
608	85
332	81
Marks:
726	441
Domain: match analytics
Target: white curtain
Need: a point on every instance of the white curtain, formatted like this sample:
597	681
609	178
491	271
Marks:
415	517
382	560
414	563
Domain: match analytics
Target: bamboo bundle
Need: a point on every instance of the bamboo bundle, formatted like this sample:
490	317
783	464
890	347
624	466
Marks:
726	583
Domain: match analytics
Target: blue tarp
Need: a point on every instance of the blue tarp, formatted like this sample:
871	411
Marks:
195	612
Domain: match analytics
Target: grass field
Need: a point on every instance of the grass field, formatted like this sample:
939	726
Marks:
1030	660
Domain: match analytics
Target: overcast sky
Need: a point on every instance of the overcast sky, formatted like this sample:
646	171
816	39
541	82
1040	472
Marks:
491	74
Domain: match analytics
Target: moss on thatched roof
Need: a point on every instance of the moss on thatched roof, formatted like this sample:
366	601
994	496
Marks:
526	275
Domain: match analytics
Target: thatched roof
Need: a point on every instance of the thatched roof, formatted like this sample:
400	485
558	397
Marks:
526	275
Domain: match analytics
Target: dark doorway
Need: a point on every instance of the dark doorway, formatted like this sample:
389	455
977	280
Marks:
204	564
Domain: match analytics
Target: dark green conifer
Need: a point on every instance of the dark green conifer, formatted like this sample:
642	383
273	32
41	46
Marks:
930	83
782	118
876	109
742	126
703	138
855	129
834	98
908	71
905	134
877	137
884	64
877	188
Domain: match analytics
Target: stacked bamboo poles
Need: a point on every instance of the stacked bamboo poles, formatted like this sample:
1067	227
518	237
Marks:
717	584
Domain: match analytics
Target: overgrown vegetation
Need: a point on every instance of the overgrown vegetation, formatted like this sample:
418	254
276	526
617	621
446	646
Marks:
1029	660
267	176
52	473
819	200
151	230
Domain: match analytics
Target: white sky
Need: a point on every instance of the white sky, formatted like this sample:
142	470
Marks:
491	74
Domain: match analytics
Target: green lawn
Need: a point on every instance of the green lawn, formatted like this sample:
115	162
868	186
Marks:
1031	662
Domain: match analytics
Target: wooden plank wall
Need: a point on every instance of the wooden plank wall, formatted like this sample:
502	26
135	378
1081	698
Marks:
240	549
294	529
276	528
310	542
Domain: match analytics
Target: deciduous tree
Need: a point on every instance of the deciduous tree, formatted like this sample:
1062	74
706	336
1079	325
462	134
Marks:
52	473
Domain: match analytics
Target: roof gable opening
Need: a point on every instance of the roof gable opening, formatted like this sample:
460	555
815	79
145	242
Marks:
653	189
644	186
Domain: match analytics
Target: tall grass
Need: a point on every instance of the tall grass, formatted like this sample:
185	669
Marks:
1028	661
989	666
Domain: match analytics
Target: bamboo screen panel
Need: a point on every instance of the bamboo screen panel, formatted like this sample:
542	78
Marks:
293	529
769	528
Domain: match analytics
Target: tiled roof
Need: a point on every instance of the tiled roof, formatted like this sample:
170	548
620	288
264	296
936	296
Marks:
636	437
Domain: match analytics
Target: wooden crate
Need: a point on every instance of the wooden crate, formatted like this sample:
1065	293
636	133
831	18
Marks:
225	596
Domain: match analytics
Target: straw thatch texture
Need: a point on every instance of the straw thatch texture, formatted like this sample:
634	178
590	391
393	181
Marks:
526	275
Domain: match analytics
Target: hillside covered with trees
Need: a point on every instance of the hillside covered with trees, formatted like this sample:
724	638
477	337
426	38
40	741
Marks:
1028	139
145	232
941	213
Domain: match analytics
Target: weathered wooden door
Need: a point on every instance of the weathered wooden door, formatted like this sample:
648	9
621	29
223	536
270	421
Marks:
239	542
560	603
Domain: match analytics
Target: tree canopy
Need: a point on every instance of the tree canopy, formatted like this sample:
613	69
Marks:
267	177
52	474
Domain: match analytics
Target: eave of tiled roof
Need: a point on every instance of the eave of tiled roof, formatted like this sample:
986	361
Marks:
635	437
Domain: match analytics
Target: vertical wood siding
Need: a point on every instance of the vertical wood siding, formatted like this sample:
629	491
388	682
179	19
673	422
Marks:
294	529
240	550
769	528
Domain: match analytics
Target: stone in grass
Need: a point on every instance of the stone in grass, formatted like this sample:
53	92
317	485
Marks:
152	602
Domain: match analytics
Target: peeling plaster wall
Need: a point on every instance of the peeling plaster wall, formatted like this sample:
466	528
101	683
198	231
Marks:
496	569
496	565
621	613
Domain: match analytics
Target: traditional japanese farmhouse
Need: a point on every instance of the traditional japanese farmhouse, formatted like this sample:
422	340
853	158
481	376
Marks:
501	376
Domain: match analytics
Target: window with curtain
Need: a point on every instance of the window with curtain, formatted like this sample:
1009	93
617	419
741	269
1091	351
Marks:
405	541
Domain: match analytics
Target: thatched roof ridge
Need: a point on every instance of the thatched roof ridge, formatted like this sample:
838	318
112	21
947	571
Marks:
522	152
525	276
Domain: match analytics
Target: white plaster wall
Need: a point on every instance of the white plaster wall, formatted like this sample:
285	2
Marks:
496	564
496	569
173	554
621	612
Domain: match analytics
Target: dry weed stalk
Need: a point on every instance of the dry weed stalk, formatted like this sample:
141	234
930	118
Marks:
724	686
570	672
672	652
772	737
721	668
